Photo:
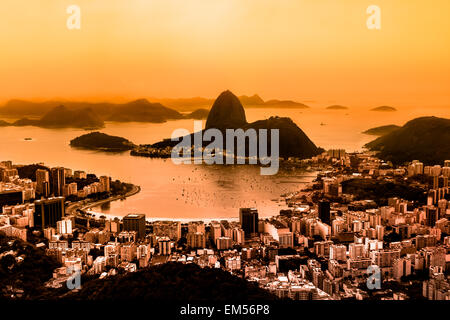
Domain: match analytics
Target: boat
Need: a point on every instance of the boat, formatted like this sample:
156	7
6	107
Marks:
27	139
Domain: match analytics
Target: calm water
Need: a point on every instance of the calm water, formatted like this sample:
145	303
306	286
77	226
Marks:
196	191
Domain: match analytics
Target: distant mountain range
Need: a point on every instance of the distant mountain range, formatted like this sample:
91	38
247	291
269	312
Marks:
23	108
227	112
89	115
382	130
426	139
61	117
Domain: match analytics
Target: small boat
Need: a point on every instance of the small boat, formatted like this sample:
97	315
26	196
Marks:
27	139
322	124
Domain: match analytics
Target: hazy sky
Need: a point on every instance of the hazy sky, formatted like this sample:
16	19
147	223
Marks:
308	50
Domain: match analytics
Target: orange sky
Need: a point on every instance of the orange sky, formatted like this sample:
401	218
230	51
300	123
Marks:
308	50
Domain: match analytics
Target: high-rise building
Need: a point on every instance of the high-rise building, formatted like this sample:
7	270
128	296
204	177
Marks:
224	243
105	182
248	218
48	212
196	240
58	181
135	222
42	182
431	215
64	226
324	212
164	246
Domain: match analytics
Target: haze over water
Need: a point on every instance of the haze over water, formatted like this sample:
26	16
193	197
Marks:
198	191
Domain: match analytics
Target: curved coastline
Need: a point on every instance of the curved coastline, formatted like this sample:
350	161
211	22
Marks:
83	205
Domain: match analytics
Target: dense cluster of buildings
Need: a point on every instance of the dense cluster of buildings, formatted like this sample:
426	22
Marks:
39	204
325	245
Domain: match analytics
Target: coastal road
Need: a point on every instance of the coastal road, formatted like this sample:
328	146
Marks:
86	204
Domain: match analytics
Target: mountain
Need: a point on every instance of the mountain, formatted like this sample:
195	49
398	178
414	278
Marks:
61	117
185	104
101	141
4	123
22	108
337	107
254	100
198	114
382	130
285	104
172	281
426	139
143	111
384	109
227	112
293	141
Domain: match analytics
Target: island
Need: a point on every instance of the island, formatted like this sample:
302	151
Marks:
384	109
101	141
337	107
382	130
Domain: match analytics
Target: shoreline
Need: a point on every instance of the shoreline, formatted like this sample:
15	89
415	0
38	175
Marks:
82	205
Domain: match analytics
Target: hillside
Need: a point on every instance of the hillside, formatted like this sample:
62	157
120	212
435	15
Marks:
101	141
293	141
143	111
198	114
254	100
62	117
382	130
172	282
426	139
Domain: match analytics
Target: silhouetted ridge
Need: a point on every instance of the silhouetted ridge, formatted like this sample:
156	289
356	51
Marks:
142	110
226	113
172	282
382	130
426	139
61	117
293	141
